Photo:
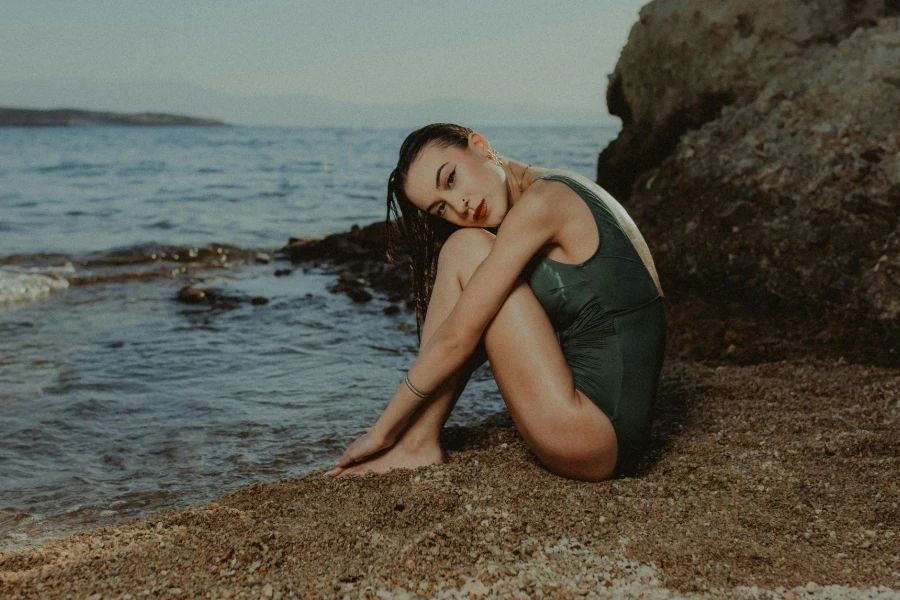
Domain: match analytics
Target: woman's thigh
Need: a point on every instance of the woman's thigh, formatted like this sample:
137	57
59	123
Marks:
566	431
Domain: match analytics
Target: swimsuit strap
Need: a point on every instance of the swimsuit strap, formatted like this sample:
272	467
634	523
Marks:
602	213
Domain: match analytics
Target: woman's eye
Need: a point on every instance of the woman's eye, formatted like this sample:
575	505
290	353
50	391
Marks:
451	177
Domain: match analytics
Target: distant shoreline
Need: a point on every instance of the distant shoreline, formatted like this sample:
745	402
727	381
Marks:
67	117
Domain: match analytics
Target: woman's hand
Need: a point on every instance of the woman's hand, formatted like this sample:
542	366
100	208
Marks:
365	445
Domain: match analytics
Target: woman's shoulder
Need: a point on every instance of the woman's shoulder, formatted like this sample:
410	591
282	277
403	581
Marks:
553	189
568	176
563	180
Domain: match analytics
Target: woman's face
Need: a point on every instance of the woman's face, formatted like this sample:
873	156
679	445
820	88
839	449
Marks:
460	185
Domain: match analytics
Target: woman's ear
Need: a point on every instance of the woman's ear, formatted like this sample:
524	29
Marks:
478	142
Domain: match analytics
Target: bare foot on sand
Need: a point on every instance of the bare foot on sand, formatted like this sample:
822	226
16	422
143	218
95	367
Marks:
398	456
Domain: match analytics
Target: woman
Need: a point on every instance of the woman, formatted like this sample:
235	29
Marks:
564	300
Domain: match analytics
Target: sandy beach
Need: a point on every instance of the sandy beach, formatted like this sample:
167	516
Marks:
776	480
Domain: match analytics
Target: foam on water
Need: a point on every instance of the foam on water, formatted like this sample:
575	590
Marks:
24	285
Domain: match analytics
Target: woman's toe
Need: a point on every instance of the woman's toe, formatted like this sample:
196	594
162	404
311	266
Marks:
355	470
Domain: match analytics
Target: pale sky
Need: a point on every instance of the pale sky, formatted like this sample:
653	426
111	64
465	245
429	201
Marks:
547	52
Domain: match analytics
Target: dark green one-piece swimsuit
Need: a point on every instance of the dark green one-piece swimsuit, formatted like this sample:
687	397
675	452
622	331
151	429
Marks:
608	314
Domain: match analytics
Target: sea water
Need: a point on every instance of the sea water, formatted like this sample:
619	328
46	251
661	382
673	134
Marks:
116	400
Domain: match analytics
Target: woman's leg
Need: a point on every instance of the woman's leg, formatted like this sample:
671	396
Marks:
566	431
418	444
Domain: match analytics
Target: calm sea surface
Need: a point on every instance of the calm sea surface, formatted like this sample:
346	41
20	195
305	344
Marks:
115	399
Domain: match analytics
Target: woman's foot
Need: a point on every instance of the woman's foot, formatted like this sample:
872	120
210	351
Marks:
399	456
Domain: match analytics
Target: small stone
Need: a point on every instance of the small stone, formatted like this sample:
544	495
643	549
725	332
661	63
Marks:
475	587
191	295
359	295
348	277
254	566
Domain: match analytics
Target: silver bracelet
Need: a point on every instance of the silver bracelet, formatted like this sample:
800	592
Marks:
413	389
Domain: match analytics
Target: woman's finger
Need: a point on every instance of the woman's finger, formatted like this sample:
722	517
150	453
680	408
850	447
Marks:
345	459
350	455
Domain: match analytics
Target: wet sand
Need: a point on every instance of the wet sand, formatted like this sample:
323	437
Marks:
773	479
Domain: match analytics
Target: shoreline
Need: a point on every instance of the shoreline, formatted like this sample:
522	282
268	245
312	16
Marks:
764	477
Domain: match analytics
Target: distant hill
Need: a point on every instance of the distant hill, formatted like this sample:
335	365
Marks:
283	110
65	117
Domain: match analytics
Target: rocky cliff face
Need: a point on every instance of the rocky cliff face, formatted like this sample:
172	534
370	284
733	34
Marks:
686	59
788	195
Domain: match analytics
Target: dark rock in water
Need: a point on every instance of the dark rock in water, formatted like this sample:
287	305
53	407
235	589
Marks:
349	278
786	201
210	297
358	294
359	243
391	309
259	300
283	272
360	257
192	295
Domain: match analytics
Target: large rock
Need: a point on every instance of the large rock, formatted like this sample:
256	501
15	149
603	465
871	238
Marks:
358	257
791	199
686	59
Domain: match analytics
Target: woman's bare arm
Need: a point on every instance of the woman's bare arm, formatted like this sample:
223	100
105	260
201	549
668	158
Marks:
530	224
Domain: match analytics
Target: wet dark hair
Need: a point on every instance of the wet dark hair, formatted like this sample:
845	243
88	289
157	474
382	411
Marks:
411	229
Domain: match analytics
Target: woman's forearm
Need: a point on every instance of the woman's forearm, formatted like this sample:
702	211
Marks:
443	354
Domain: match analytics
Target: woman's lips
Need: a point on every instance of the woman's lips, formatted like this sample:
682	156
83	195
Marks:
480	211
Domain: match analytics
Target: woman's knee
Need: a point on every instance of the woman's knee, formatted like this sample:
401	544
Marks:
465	249
468	243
